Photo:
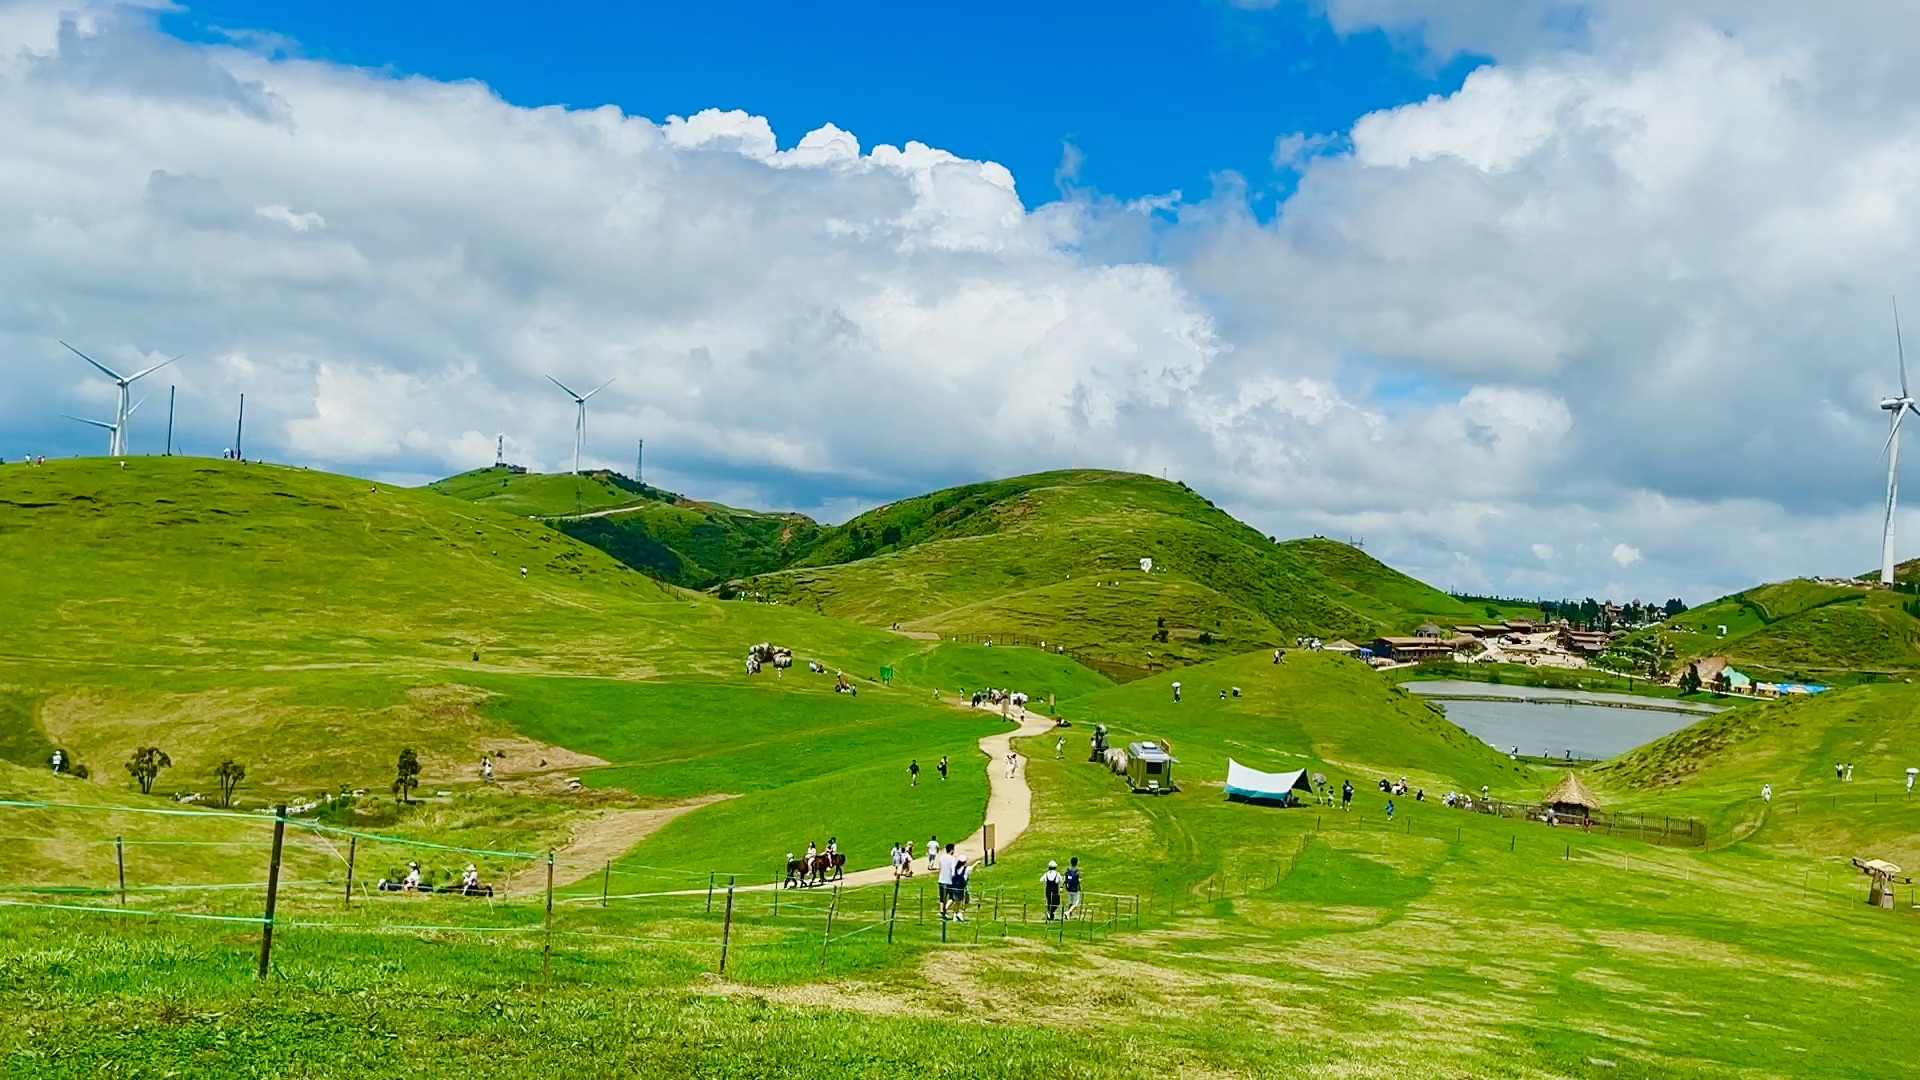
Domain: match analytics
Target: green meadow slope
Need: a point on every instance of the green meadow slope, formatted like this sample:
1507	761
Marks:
311	626
1056	557
1800	629
676	539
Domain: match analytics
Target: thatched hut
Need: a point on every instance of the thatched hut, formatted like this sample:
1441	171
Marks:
1570	798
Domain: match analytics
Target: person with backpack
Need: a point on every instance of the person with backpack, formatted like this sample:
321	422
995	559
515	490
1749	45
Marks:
1346	795
1073	884
1050	881
957	892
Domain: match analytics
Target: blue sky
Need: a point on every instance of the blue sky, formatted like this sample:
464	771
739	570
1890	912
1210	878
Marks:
1157	96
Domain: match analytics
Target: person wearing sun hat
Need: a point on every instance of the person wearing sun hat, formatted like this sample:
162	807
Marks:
1051	881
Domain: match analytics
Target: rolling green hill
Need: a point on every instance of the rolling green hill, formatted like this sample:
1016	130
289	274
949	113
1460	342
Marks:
1800	629
1057	557
679	540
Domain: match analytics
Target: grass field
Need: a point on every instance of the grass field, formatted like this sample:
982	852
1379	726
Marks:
311	626
1800	629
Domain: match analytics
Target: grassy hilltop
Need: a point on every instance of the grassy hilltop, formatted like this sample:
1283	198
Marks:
311	625
1056	556
1800	628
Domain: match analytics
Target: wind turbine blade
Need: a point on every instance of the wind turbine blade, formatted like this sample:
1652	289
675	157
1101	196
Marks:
1900	347
136	406
563	386
84	420
599	388
152	369
110	372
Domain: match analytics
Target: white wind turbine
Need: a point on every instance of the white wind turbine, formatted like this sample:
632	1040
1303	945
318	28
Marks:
114	438
118	429
1899	407
580	421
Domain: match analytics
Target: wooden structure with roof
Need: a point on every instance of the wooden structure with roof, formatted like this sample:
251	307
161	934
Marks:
1570	798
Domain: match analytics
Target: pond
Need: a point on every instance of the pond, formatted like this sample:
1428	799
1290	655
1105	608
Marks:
1550	723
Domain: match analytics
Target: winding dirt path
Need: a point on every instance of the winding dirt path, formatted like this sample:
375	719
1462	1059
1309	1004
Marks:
1009	802
604	838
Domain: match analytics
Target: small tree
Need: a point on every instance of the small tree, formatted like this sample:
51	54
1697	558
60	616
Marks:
230	773
1723	683
1690	682
406	775
145	766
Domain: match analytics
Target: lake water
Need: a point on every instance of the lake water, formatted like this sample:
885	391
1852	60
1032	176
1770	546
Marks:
1553	727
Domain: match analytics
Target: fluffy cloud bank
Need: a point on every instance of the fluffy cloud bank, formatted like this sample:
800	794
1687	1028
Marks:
1610	318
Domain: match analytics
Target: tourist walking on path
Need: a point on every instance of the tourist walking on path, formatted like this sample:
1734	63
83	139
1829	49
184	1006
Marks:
1013	763
957	892
913	773
933	853
1073	886
1050	882
1060	751
943	766
1346	795
945	884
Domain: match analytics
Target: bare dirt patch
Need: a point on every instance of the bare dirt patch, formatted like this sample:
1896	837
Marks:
601	838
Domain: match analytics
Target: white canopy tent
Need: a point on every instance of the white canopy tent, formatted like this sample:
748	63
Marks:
1253	784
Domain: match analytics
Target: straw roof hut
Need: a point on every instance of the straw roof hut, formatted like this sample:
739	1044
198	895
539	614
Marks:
1570	798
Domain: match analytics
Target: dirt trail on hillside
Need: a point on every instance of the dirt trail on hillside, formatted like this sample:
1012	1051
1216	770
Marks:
1009	803
604	838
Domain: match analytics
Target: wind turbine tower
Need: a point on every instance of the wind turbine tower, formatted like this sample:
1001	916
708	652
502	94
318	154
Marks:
500	449
118	429
114	437
580	421
1899	407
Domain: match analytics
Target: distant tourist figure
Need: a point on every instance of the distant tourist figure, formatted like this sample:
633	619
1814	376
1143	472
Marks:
1849	771
1176	690
411	883
957	891
1766	792
1346	795
486	770
1074	884
59	762
1911	773
1839	771
943	766
1060	751
933	853
913	773
1276	656
1050	881
1390	810
1013	763
523	571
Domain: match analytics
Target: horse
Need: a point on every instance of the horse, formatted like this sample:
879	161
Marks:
796	874
829	860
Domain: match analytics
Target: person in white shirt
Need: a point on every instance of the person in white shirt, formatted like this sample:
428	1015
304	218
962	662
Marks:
933	853
1766	792
946	863
1050	881
411	882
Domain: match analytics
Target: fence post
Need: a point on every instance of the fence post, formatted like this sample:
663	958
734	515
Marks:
273	887
709	892
606	878
726	930
120	859
353	849
546	951
832	906
777	886
1512	840
895	913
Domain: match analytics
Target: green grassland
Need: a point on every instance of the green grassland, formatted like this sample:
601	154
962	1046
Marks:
546	494
676	539
311	625
1031	555
1799	629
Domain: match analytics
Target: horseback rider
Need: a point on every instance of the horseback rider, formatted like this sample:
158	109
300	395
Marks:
812	852
833	846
